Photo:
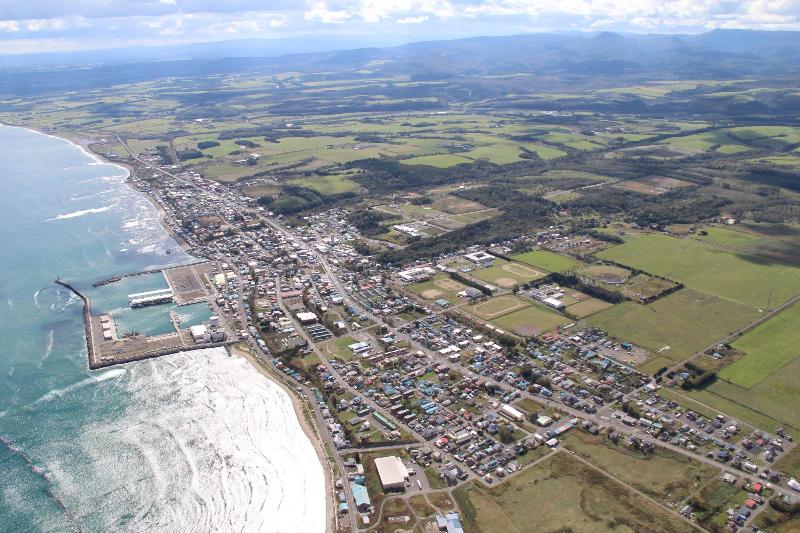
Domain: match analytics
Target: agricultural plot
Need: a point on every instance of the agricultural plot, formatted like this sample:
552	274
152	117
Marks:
506	274
781	242
653	185
561	494
497	307
530	321
712	141
751	280
675	326
455	205
547	260
328	184
768	348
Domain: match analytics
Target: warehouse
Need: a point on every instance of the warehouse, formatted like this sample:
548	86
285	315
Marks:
392	472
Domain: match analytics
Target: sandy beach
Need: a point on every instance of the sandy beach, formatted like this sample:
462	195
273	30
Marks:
305	418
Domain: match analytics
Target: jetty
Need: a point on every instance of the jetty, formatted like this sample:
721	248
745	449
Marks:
120	277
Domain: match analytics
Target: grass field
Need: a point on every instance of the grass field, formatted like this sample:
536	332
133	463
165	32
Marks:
547	260
663	475
606	273
328	184
753	280
771	403
496	307
587	307
768	348
560	494
531	320
687	321
506	274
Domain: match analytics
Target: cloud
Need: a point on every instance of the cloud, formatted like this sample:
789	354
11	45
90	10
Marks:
9	26
57	24
412	20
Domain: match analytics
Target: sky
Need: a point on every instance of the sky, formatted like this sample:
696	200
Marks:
35	26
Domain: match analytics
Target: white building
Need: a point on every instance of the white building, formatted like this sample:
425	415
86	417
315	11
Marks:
392	472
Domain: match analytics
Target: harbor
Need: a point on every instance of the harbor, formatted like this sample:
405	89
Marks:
189	287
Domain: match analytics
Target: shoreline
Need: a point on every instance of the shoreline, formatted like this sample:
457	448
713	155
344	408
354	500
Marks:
311	432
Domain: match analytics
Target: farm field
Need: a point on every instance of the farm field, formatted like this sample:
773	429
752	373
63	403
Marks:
547	260
506	274
768	348
560	494
531	321
779	241
747	279
327	184
497	306
686	321
771	403
663	475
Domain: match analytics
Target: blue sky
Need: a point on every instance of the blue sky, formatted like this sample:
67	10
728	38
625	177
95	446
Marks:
60	25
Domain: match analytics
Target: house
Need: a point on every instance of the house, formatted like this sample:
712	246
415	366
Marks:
361	496
392	472
451	523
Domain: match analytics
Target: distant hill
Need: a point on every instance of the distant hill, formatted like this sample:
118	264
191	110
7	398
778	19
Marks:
719	54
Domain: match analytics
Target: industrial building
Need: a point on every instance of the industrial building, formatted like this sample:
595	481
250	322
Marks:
392	472
143	299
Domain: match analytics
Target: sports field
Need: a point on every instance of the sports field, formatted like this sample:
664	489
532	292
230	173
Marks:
752	280
441	286
560	494
531	320
506	274
768	347
547	260
497	307
675	326
610	274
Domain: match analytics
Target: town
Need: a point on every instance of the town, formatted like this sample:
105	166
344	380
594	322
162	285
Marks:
463	370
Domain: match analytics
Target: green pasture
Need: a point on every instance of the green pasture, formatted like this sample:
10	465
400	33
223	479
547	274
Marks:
768	348
687	321
749	279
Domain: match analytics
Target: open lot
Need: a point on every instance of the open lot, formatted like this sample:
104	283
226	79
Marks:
506	274
531	321
547	260
496	307
654	185
560	494
752	280
675	326
664	475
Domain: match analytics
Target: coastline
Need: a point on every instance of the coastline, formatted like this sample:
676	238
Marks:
312	433
309	429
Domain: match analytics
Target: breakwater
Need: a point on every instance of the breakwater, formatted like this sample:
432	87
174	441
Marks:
87	321
119	277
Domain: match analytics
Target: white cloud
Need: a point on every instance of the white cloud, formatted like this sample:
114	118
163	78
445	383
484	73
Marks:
412	20
57	24
9	26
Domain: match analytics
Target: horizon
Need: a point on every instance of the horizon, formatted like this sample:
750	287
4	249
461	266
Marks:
89	25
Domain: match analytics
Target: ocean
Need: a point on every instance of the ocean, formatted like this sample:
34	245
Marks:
195	441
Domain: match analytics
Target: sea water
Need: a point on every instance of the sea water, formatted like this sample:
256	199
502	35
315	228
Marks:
195	441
